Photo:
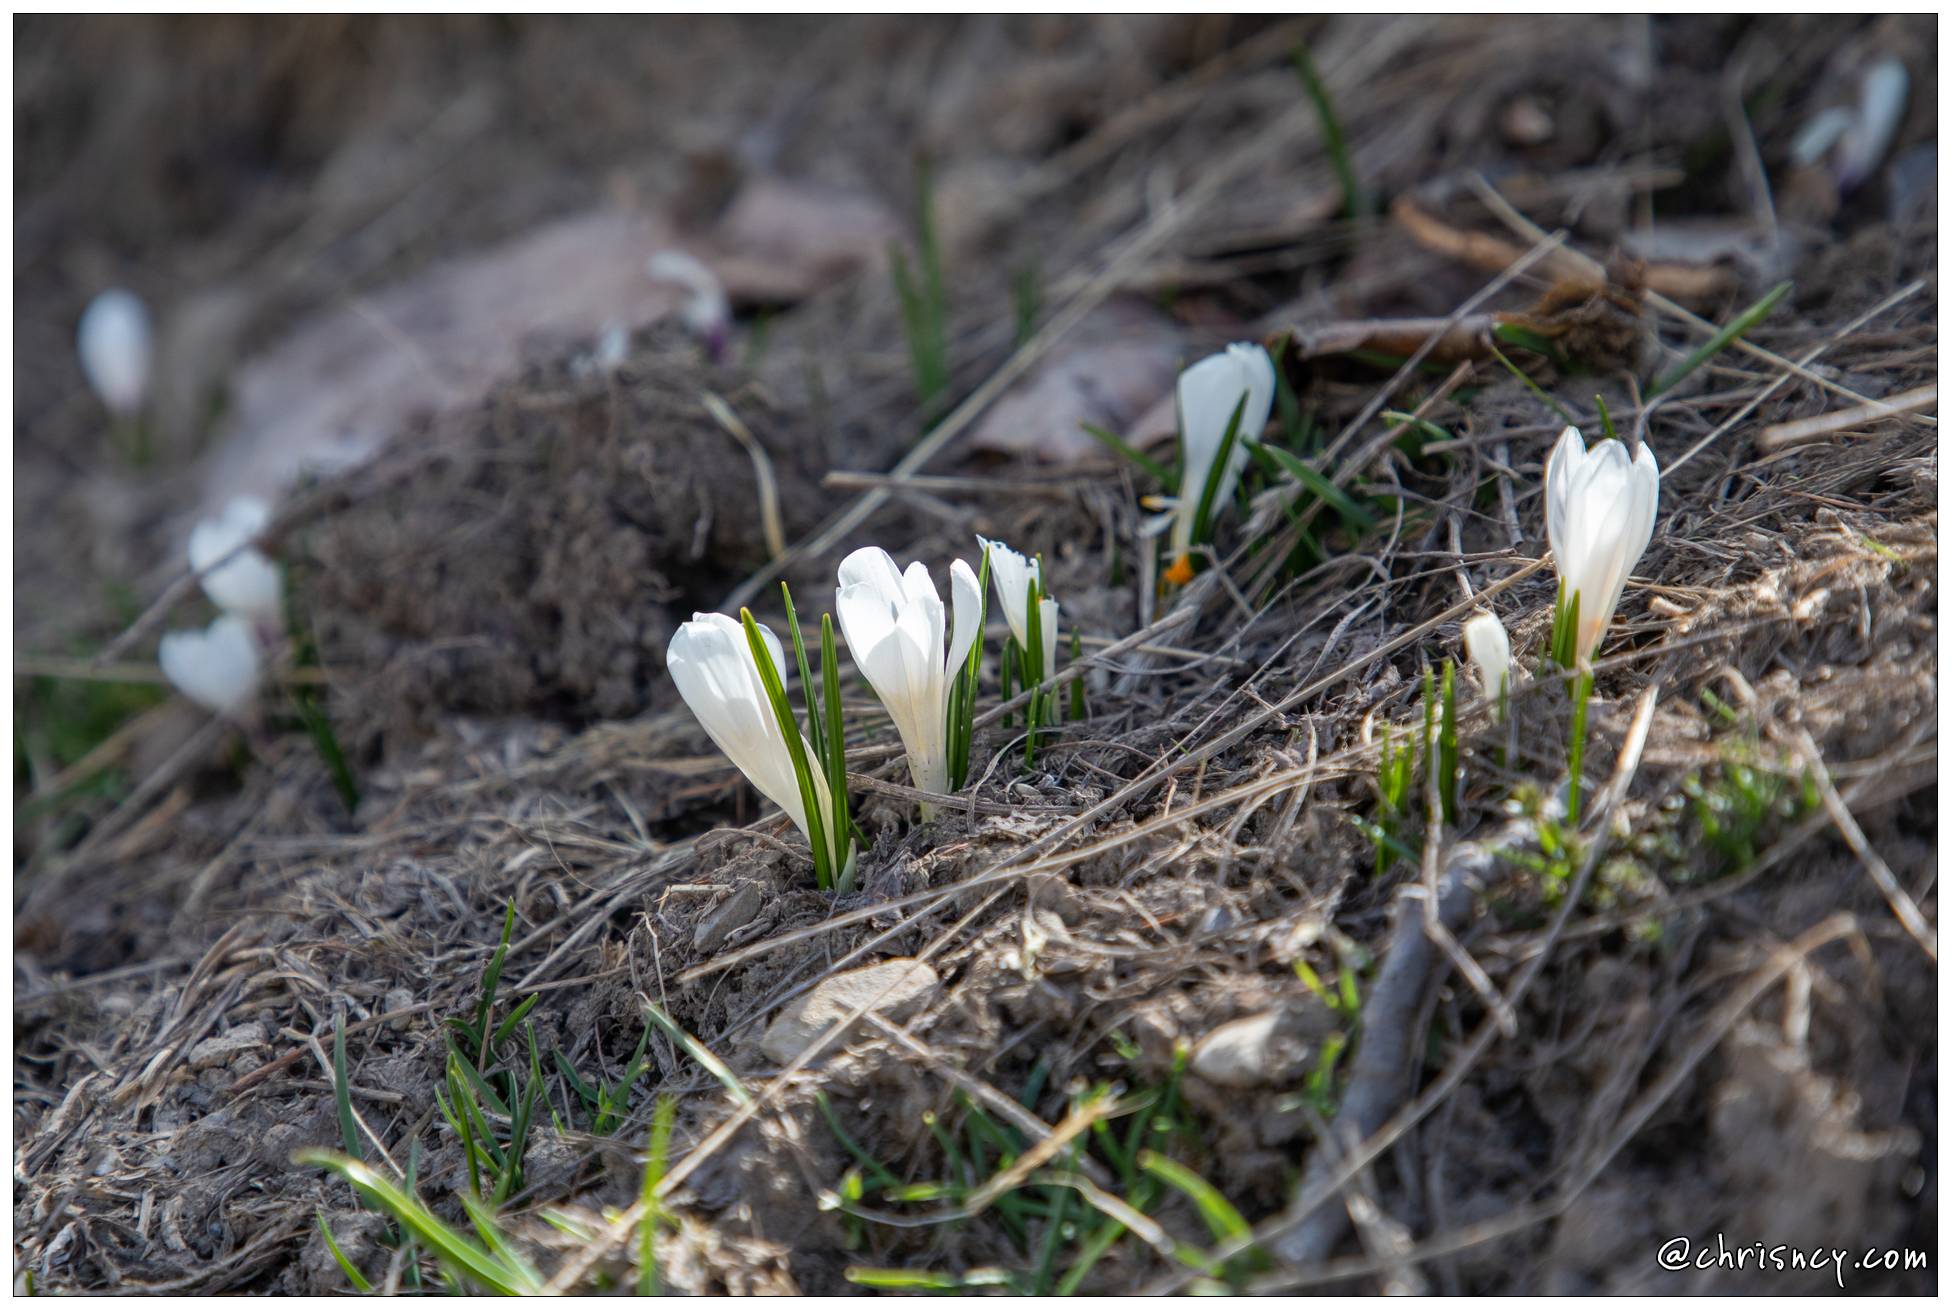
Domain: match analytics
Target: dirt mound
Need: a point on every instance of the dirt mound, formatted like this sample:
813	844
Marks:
535	557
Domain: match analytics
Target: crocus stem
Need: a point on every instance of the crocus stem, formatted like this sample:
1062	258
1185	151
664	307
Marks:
1581	695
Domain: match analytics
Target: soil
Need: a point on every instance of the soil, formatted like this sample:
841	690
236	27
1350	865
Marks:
1723	1027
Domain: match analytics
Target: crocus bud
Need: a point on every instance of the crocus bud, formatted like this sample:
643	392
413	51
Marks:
218	668
240	578
1208	394
1599	508
1489	649
711	661
899	636
1012	572
116	344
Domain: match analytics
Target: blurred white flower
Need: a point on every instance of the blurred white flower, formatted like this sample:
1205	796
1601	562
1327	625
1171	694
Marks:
611	349
711	662
1208	393
897	630
707	315
1881	101
240	578
1489	649
218	668
116	345
1599	508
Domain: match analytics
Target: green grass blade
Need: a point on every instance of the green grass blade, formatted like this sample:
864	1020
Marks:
483	1219
835	753
655	1163
351	1271
1119	446
507	1026
1353	202
697	1050
1226	1223
1605	417
1581	695
342	1090
582	1089
1735	327
1202	521
782	711
1077	708
1511	334
815	727
475	1081
1446	740
1327	492
877	1170
1534	388
902	1280
448	1246
1026	296
484	1048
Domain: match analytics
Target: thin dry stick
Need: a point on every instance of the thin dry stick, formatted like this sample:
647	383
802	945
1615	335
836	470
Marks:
770	519
1781	436
1901	905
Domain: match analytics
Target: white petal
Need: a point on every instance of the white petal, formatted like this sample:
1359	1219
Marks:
711	662
1566	456
218	668
1208	393
116	344
1489	649
1257	368
966	589
874	567
1010	572
1646	504
1047	623
246	582
897	644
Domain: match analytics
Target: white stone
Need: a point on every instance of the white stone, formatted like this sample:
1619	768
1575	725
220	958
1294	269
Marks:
891	989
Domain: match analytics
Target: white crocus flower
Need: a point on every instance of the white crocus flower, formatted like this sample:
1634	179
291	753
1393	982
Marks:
116	344
1599	508
1489	649
711	662
1208	393
240	578
218	668
1012	573
898	633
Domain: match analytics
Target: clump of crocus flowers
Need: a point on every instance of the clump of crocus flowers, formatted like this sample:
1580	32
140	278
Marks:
922	658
